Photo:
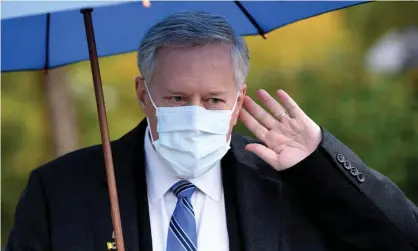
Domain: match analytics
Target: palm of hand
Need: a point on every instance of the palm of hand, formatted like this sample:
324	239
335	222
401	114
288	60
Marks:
289	138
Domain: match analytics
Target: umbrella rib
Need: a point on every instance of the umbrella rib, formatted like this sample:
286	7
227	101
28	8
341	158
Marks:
48	24
251	18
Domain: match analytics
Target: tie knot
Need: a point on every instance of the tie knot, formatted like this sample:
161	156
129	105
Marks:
183	188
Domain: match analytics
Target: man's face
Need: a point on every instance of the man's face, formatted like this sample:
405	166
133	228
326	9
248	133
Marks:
201	75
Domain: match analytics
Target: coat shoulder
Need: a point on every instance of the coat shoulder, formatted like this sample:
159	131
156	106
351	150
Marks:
81	166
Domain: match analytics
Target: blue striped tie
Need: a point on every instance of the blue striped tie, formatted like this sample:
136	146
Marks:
182	233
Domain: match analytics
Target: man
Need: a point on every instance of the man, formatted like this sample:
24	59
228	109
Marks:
186	183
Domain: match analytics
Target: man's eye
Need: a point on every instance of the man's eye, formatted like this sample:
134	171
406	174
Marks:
175	98
215	100
178	98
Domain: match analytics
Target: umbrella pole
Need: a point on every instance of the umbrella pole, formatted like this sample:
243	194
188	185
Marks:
98	90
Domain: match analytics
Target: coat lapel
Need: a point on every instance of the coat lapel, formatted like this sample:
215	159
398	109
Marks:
129	165
258	197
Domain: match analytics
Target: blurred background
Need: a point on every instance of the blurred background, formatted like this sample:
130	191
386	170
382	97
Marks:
353	71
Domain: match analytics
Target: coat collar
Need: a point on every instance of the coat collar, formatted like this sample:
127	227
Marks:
125	151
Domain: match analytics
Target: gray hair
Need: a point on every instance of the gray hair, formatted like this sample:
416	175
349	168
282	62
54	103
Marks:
188	29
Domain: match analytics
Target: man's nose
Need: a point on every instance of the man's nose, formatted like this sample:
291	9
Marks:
196	101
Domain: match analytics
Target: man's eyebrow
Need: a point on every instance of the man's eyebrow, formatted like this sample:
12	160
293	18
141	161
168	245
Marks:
176	92
217	93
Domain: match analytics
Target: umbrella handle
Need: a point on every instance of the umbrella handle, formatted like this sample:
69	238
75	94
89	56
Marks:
98	90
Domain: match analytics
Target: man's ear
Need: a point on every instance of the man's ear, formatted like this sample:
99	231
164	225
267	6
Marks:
141	91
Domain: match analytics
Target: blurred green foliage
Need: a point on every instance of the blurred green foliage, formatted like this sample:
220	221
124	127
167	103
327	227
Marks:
318	61
373	20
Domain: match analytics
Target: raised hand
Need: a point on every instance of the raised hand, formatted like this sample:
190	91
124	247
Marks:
288	133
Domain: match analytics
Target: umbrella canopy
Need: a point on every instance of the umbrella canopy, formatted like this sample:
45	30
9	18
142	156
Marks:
40	35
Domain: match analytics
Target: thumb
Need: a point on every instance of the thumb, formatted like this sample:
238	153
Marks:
264	153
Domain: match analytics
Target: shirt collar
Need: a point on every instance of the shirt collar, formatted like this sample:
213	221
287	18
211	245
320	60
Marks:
160	178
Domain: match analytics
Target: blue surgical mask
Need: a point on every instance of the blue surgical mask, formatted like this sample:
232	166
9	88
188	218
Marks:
191	139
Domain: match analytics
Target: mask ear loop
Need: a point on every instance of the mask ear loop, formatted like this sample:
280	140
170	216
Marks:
232	111
149	94
236	101
156	111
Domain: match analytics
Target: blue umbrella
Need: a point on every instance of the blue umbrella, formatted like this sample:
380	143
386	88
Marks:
43	35
33	39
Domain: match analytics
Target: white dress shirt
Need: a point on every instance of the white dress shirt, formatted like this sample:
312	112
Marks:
207	200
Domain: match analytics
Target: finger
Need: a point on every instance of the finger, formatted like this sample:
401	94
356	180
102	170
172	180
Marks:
288	103
253	125
264	153
275	107
265	118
